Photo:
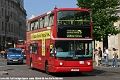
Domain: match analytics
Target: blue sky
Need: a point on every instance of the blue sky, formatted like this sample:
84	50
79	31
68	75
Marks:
38	7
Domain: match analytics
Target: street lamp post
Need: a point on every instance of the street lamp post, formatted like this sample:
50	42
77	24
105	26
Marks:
19	28
6	20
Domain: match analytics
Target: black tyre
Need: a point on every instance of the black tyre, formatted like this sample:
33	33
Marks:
31	65
21	62
7	63
47	69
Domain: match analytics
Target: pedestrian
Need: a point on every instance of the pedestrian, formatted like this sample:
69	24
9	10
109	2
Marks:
106	54
96	56
2	54
100	55
5	54
115	62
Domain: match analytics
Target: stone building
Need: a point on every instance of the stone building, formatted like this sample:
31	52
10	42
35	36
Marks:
12	21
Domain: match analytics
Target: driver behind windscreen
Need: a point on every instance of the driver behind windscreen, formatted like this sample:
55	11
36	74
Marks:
79	51
58	48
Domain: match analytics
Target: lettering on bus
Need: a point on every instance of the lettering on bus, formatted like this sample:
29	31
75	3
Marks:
40	35
43	47
74	33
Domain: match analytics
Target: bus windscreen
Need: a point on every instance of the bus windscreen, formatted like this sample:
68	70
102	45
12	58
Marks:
73	24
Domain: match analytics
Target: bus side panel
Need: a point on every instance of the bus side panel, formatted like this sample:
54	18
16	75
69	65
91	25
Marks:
28	49
44	56
27	55
39	58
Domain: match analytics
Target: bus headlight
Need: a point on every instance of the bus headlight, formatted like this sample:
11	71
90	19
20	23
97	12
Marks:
88	63
61	63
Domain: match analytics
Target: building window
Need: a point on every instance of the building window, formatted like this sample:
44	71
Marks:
2	11
5	13
8	3
33	48
14	29
9	27
13	5
6	27
2	26
1	2
11	14
8	13
5	2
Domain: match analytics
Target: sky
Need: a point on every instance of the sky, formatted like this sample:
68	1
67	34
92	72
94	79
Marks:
38	7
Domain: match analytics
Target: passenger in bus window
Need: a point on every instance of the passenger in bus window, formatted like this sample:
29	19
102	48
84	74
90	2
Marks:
58	48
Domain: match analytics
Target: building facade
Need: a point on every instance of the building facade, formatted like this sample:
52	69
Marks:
12	21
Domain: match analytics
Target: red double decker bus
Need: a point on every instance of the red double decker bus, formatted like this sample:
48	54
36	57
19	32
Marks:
21	44
60	41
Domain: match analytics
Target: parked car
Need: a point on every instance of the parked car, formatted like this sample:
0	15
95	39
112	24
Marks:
24	55
14	55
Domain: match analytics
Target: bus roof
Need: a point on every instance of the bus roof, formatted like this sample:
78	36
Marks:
57	9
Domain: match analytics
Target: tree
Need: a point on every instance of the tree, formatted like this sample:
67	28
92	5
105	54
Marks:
103	16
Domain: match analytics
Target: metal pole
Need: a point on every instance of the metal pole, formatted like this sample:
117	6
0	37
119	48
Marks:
6	20
114	41
5	36
19	28
19	32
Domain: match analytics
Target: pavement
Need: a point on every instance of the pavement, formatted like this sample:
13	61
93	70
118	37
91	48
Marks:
2	72
110	63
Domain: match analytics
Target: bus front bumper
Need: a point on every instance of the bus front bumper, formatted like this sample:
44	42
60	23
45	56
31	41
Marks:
73	69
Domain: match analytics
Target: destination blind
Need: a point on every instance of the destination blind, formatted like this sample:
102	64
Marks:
74	34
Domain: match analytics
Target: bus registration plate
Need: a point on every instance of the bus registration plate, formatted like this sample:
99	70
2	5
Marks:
74	69
81	62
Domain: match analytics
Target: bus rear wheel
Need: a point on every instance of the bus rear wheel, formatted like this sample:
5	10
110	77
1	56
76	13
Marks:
47	69
31	65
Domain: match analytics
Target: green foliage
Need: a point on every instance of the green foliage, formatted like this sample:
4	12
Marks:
103	16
